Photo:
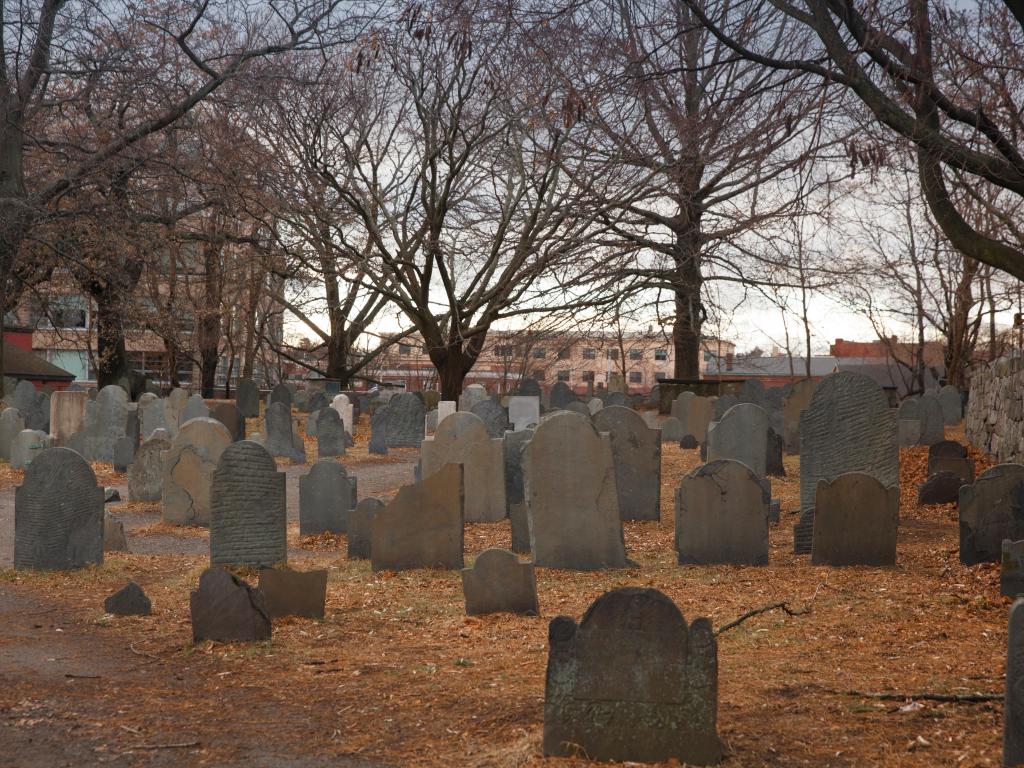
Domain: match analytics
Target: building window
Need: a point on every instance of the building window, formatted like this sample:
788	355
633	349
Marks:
503	351
60	311
636	377
540	353
404	349
563	375
589	353
636	354
564	354
588	377
661	354
660	376
613	354
708	357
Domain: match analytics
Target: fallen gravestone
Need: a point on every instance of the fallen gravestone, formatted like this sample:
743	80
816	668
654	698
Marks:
462	438
631	682
130	600
58	514
360	528
247	508
327	495
636	452
225	609
294	593
146	474
1013	704
188	469
991	509
499	583
721	516
940	488
1011	570
741	435
422	527
571	500
855	521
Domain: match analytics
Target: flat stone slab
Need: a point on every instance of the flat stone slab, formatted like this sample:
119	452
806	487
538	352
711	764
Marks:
130	600
499	583
294	593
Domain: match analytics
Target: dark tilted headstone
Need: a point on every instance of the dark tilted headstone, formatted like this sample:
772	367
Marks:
405	422
632	683
513	445
247	508
378	431
146	474
124	454
225	609
247	398
940	488
58	513
229	415
114	539
280	438
282	393
499	583
495	417
855	521
130	600
330	434
636	451
950	448
294	593
992	509
773	464
721	516
327	496
573	506
561	396
962	468
1011	571
360	528
847	427
1013	705
422	527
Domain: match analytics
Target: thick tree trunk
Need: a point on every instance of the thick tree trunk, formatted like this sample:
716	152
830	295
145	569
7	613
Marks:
453	362
687	283
209	326
112	356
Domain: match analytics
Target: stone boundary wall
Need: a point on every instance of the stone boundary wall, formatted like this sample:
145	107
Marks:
994	421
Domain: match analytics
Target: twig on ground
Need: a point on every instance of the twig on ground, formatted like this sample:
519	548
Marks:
783	606
179	745
955	698
82	677
142	653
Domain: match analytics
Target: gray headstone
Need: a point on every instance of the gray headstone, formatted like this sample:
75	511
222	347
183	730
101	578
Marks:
741	435
616	398
499	583
146	474
281	439
494	417
847	427
195	408
752	391
360	528
152	415
28	444
225	609
471	395
378	432
680	406
327	495
462	439
108	423
294	593
933	427
67	415
130	600
37	412
282	393
992	509
947	449
699	411
794	403
722	404
952	405
405	423
671	430
58	513
529	388
523	412
632	683
422	527
721	516
577	407
855	521
247	398
174	409
247	516
514	444
317	401
562	395
124	454
114	539
188	471
330	434
636	451
571	500
1011	571
229	415
1013	705
941	488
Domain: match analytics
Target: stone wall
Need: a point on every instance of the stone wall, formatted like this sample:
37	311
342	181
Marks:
994	421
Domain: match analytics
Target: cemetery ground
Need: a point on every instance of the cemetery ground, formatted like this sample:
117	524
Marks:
397	675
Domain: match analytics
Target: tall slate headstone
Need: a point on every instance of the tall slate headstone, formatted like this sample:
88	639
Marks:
794	403
1013	705
280	433
631	682
229	415
327	495
58	513
933	424
404	427
247	517
741	435
109	422
992	509
360	528
514	444
146	474
188	469
462	439
195	408
952	405
330	434
636	451
378	443
247	398
494	417
281	393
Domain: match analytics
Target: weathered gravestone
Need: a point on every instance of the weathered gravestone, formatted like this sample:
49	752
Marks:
523	412
741	435
722	404
933	427
326	497
908	422
594	405
124	454
940	488
952	405
680	407
721	516
378	443
229	415
855	521
471	395
281	439
247	516
360	528
404	426
499	583
636	452
152	413
422	527
188	469
58	513
330	434
23	397
130	600
294	593
494	417
752	391
514	444
346	410
146	474
991	509
318	400
1013	704
11	424
571	499
794	403
195	408
282	394
462	439
671	430
562	395
106	422
174	409
37	415
28	444
1011	570
632	683
247	398
67	415
847	427
114	539
699	411
529	388
225	609
947	449
773	464
616	398
445	408
581	408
